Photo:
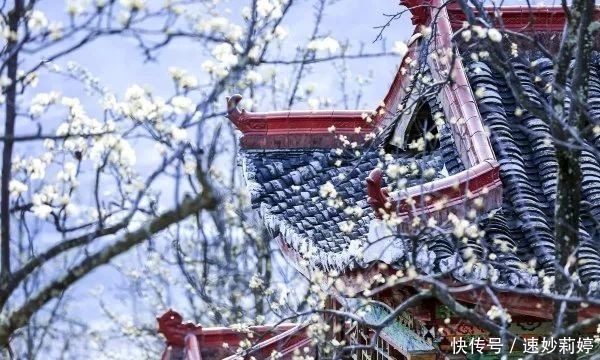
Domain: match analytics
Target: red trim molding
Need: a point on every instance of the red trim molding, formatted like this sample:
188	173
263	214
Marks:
297	129
513	18
519	18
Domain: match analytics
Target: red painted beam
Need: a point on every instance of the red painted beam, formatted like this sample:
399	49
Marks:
519	18
297	129
513	18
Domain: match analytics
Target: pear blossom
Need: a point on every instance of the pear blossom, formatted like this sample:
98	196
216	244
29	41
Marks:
313	103
178	134
183	105
280	32
16	188
5	81
254	77
269	9
400	48
466	35
324	44
41	211
41	101
328	190
182	78
37	20
36	169
224	52
75	7
494	35
498	313
222	25
134	5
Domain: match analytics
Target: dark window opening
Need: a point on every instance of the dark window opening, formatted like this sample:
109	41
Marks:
422	128
421	135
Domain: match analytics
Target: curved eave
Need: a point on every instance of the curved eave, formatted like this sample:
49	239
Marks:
285	337
514	301
298	129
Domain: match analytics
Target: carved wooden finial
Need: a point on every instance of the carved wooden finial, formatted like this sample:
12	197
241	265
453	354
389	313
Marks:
419	10
171	325
233	111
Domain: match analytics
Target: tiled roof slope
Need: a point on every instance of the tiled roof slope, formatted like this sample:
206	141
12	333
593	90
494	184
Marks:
528	167
286	189
519	233
285	186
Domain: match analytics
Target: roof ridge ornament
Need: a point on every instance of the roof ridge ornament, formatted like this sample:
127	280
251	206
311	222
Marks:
171	325
234	113
419	10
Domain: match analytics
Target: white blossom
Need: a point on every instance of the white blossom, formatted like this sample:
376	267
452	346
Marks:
494	35
37	20
5	81
183	105
134	5
269	9
16	188
56	30
466	35
400	48
222	25
178	134
255	282
182	78
313	103
42	211
75	7
280	32
254	77
324	44
224	53
498	313
36	169
41	101
328	190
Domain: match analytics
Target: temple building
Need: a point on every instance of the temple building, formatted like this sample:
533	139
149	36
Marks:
464	148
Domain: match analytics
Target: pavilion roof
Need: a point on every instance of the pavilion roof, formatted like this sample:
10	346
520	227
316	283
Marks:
289	156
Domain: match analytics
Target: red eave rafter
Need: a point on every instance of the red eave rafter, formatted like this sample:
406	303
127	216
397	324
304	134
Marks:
297	129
